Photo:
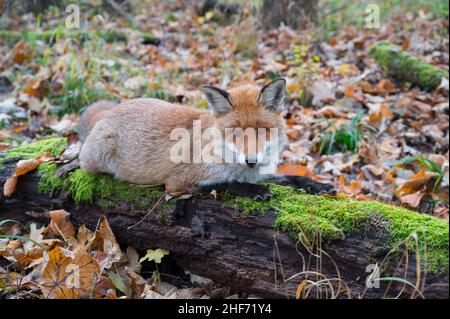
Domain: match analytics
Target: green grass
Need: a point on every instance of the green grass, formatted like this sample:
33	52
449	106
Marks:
50	36
429	165
345	138
77	93
338	14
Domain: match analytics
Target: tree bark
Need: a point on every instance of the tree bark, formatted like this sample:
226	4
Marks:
243	251
294	13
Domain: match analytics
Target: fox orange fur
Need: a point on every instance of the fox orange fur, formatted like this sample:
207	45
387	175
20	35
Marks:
131	140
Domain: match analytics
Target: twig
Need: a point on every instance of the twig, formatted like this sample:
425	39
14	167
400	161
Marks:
148	213
122	13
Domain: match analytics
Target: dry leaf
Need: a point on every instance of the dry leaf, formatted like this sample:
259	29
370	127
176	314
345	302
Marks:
415	182
10	186
292	169
412	200
61	225
67	275
21	52
352	189
106	241
25	166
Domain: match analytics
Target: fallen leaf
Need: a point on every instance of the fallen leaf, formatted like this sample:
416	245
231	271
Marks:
292	169
21	52
415	182
154	255
412	200
10	186
61	225
106	241
25	166
67	275
348	69
352	189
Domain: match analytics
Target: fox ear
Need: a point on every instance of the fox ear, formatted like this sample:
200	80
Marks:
272	95
218	99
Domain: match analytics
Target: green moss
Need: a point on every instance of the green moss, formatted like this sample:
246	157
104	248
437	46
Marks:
101	189
334	218
53	145
405	67
296	212
12	37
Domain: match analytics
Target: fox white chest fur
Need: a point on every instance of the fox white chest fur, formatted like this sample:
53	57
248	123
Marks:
132	140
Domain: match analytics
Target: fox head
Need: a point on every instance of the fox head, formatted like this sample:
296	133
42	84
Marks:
250	119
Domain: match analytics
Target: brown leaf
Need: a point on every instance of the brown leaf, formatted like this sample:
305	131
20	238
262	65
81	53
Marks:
385	86
67	275
354	93
106	241
352	189
21	52
10	186
383	112
61	225
25	166
412	200
415	182
85	239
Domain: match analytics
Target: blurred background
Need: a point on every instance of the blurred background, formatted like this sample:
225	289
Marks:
355	118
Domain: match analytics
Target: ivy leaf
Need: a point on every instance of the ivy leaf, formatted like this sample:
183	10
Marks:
155	255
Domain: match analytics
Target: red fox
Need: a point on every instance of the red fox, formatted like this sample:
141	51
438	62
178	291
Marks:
134	141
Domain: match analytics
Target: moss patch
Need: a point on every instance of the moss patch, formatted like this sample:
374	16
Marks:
53	145
405	67
333	218
12	37
101	189
296	212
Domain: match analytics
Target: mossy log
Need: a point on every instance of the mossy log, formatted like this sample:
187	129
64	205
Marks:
11	37
266	248
405	67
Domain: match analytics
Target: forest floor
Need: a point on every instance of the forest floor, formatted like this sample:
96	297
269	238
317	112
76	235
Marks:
372	136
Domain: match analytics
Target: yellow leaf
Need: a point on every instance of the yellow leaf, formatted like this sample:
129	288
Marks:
348	69
209	15
155	255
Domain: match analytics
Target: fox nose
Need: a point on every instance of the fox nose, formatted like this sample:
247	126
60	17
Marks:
250	160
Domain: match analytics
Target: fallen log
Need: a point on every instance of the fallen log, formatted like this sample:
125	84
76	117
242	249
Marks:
50	36
266	248
405	67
